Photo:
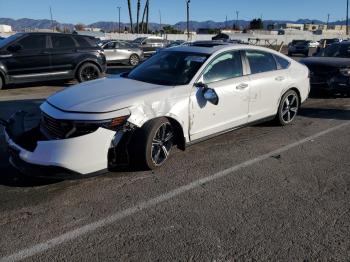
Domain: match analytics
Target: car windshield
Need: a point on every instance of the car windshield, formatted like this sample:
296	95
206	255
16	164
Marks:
337	50
9	39
169	68
139	40
299	42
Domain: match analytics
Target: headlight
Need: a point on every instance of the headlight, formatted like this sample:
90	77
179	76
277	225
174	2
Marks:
345	71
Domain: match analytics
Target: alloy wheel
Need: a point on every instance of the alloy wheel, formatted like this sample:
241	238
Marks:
89	73
134	60
161	144
290	108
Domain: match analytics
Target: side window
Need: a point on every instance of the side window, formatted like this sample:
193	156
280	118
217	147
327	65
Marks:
260	62
226	66
282	63
110	45
83	42
33	42
61	41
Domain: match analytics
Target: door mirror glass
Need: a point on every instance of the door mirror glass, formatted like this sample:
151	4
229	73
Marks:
14	48
211	96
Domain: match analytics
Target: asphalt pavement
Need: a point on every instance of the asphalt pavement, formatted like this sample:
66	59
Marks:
259	193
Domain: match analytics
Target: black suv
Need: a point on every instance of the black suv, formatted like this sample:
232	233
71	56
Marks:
299	47
32	57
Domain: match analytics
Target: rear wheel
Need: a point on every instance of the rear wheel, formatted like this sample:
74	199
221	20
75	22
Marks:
134	60
153	143
87	72
288	108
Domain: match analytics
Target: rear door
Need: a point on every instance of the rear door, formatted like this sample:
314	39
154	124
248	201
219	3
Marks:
64	54
110	51
267	82
32	61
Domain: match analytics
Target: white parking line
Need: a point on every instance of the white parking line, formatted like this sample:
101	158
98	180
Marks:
51	243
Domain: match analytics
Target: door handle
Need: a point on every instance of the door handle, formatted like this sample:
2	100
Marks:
242	86
279	78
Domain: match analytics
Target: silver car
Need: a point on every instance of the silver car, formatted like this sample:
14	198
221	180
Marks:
122	52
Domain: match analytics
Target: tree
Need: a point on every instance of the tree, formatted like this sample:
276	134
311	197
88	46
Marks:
170	30
256	24
79	27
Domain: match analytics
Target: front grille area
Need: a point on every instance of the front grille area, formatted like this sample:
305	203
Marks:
54	128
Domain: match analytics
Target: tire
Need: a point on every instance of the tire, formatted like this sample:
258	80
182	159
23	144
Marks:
134	60
87	72
306	54
288	108
153	143
290	54
1	83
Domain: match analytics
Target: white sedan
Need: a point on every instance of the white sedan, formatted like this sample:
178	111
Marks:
178	97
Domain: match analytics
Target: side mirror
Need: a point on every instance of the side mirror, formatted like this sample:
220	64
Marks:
209	94
14	48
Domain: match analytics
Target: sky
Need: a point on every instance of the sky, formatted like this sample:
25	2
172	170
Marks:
172	11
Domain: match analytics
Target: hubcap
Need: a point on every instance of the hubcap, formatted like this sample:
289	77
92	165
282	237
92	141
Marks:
161	144
290	108
134	60
89	73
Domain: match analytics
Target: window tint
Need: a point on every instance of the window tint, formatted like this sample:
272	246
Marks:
61	41
226	66
260	62
83	41
282	63
33	42
110	45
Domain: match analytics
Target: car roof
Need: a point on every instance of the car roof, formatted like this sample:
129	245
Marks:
218	48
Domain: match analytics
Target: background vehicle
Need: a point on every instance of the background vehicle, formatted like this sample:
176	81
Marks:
149	45
31	57
179	96
2	38
123	52
327	42
313	44
330	69
174	44
299	47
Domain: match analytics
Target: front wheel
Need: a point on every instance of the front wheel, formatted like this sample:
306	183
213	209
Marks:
87	72
153	143
288	108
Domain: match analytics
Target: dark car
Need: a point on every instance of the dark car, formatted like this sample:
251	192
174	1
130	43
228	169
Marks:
32	57
298	47
327	42
149	45
330	69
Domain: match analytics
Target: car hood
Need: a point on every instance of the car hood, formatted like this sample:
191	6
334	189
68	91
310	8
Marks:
326	61
106	95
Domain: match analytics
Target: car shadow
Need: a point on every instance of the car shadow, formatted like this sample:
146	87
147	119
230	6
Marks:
325	113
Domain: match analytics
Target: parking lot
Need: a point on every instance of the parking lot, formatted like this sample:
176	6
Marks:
261	193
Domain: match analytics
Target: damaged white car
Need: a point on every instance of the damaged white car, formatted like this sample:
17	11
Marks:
178	97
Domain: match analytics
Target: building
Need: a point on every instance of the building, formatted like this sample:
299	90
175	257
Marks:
290	26
92	29
5	29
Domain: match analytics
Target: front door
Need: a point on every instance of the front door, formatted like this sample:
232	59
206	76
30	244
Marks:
225	75
30	61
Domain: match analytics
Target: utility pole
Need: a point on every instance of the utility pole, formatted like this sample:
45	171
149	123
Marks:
226	23
347	17
118	7
188	19
147	16
327	21
138	15
237	25
53	29
160	20
130	15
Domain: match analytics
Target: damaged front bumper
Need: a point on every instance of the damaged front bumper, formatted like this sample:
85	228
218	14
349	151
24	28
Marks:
74	157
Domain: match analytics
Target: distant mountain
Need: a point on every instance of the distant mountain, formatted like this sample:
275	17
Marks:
26	23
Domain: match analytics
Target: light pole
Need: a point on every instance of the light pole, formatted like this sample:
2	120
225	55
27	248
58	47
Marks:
347	17
118	7
160	21
188	19
237	25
